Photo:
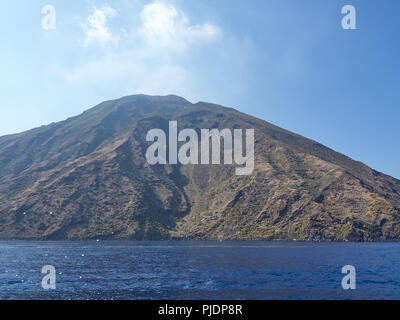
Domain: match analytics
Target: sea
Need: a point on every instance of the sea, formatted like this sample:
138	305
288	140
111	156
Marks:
197	270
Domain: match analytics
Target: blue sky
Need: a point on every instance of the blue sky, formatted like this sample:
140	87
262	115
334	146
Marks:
289	62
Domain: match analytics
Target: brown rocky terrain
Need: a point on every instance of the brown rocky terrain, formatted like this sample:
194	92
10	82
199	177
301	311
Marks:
87	178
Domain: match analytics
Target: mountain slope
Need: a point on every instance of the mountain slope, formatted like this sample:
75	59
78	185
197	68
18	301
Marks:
87	177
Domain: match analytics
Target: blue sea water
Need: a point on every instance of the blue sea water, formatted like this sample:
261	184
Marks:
198	270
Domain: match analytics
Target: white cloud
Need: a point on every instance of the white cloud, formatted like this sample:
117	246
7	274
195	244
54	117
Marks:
164	26
161	52
96	28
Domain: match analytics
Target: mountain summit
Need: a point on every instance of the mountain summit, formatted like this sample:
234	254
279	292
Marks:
87	177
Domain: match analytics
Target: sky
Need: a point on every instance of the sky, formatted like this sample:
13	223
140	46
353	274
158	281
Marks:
289	62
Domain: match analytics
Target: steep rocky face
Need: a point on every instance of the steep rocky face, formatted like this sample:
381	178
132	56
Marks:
87	177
